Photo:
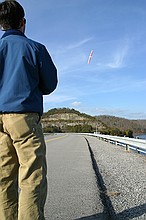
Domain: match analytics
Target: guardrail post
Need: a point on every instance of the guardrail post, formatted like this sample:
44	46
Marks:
127	147
137	149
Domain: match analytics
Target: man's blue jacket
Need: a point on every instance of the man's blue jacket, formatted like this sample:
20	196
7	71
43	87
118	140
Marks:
27	72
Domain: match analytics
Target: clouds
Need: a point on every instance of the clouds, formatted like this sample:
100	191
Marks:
76	104
53	98
118	60
66	47
80	43
71	56
115	56
125	113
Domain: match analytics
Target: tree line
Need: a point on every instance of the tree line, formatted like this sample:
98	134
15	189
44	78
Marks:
85	128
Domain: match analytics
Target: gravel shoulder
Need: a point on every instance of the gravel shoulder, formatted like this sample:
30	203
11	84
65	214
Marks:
124	178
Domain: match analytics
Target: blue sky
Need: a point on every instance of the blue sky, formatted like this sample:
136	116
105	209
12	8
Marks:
114	83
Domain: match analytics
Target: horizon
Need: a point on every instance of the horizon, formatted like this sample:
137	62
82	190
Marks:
93	115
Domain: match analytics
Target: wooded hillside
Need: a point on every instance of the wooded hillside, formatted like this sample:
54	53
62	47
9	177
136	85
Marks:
138	126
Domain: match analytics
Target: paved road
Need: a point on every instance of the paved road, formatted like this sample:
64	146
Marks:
73	192
90	179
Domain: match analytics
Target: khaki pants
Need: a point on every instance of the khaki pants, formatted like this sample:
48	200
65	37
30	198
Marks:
23	167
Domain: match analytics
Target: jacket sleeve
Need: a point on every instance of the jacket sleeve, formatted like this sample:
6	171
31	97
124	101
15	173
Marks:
47	72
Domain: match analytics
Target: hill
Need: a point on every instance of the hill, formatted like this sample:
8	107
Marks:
137	126
65	119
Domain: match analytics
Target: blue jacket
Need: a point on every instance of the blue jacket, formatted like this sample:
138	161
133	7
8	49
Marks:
26	74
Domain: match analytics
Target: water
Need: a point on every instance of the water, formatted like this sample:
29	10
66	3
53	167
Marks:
142	136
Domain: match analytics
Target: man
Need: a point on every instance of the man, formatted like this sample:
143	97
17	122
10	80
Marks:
26	74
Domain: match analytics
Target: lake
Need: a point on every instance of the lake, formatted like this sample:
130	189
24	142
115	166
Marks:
142	136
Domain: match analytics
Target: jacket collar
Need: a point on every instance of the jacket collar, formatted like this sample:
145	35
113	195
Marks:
12	32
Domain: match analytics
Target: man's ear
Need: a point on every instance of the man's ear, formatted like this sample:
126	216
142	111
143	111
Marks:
23	22
2	28
22	25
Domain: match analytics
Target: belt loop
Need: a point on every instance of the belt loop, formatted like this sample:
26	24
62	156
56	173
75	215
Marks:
39	117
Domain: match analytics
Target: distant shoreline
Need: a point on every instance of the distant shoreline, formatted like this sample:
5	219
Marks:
141	136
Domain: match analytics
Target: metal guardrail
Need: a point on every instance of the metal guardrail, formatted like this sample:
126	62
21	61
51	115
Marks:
138	145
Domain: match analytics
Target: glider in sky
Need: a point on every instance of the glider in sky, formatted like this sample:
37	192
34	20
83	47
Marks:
90	56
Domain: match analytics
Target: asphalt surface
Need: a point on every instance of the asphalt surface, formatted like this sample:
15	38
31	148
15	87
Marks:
90	179
72	191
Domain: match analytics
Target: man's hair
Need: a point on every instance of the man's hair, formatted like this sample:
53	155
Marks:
11	15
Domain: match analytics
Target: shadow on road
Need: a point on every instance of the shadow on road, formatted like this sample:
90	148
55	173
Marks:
99	216
132	212
125	215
